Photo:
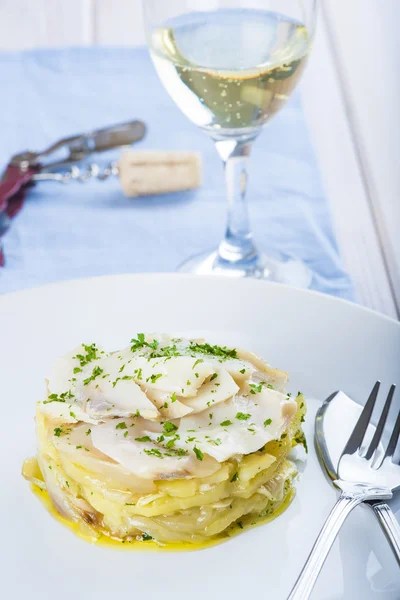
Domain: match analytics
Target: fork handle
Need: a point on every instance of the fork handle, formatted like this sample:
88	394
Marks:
389	524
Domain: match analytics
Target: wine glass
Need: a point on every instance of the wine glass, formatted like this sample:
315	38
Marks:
230	66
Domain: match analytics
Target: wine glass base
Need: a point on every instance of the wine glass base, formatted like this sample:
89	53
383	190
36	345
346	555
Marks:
286	269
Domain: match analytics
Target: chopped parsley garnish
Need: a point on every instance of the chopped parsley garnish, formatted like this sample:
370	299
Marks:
125	434
59	398
242	371
153	452
153	378
198	361
95	373
58	431
255	389
121	425
138	374
198	453
213	376
91	354
271	387
176	452
146	537
145	438
173	397
169	428
283	436
166	352
267	422
301	439
211	416
77	370
188	382
222	351
140	342
226	423
73	415
243	416
121	369
235	477
88	432
240	524
301	405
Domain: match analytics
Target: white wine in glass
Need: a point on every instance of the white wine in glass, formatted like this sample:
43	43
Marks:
230	70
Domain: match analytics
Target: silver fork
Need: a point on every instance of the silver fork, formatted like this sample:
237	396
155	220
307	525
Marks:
364	474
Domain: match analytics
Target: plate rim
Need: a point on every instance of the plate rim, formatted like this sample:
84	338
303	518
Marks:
353	305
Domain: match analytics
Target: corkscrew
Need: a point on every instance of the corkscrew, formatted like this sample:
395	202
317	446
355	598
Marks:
141	173
79	173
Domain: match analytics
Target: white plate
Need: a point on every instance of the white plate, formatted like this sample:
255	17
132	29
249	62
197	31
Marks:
325	344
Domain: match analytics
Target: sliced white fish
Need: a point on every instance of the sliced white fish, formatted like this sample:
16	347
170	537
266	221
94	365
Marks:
219	388
174	375
168	405
75	446
240	370
241	425
62	373
275	377
98	387
126	398
64	412
134	446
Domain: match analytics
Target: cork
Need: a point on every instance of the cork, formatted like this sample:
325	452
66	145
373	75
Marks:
150	172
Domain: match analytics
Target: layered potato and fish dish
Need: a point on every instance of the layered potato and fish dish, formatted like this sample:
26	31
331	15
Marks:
170	440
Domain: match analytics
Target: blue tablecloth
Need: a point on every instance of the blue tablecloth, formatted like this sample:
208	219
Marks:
79	230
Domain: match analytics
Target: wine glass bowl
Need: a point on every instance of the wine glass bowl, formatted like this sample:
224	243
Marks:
230	68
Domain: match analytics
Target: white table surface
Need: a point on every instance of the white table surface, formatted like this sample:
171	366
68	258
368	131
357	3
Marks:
351	96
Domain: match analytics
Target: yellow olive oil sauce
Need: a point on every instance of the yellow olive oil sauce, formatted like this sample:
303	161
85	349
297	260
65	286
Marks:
151	545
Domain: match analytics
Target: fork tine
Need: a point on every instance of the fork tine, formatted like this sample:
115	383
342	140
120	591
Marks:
394	438
381	425
357	436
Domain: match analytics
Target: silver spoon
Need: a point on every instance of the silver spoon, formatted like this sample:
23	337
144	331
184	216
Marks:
329	449
364	473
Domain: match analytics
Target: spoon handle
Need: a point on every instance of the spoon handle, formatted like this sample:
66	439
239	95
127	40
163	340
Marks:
307	578
352	495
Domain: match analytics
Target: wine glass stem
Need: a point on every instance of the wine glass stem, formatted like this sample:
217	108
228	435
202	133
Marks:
237	246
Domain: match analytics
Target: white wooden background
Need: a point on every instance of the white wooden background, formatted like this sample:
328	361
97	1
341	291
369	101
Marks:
351	96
